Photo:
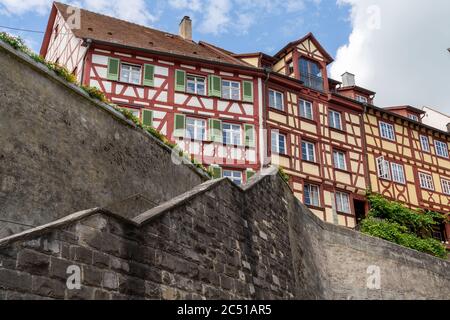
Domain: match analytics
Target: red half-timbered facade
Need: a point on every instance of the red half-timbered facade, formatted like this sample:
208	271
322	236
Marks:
240	112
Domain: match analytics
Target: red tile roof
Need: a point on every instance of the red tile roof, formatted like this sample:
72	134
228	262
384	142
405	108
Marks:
112	30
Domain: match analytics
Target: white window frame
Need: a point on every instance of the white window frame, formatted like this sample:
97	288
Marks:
276	148
233	131
426	181
413	117
332	119
129	79
280	99
398	173
314	194
343	202
194	79
338	162
425	143
383	168
233	175
228	89
302	106
199	130
445	186
387	131
441	148
308	149
361	99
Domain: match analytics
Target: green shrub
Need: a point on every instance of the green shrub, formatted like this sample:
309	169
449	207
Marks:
283	175
15	42
396	233
95	93
418	222
394	222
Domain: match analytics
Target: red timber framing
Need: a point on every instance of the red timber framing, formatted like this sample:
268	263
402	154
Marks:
406	150
165	102
320	172
62	46
340	189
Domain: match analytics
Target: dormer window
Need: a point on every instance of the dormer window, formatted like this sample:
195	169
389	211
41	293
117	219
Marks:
361	99
311	74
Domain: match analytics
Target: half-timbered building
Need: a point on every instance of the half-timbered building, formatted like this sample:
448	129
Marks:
196	94
239	112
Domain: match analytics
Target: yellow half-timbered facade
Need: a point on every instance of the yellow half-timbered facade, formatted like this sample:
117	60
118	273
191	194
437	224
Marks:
241	112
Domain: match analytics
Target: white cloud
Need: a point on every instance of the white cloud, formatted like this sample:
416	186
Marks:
217	16
399	49
132	10
15	7
193	5
222	16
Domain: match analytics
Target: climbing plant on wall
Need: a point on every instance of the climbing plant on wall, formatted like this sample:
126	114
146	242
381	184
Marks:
393	221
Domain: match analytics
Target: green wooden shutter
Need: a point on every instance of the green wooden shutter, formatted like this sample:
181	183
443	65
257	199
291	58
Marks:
248	91
147	117
214	86
180	125
180	80
249	135
113	69
149	75
215	130
216	172
250	173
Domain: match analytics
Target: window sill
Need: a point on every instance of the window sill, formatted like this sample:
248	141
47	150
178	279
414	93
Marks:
349	214
342	170
312	121
338	130
280	155
442	157
278	111
388	140
311	162
310	206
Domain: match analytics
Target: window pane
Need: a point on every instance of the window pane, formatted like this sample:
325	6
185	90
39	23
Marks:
274	143
282	144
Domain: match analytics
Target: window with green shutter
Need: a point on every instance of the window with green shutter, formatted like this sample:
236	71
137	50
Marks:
149	75
214	86
216	172
250	173
248	91
147	117
180	80
113	69
179	125
249	135
215	130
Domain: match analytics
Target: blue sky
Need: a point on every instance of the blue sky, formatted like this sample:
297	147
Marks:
396	48
265	29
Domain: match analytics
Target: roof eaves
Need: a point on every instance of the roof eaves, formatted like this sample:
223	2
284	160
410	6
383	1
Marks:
247	67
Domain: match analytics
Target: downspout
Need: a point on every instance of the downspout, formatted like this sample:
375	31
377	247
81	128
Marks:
366	154
262	118
87	43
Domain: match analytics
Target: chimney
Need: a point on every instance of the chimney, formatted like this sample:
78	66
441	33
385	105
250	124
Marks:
348	80
186	28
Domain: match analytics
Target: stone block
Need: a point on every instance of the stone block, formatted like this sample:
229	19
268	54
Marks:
15	280
48	287
33	262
